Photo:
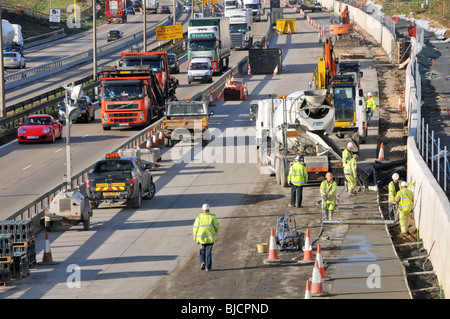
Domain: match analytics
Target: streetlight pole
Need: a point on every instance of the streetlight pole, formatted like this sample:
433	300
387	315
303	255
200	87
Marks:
94	39
2	73
144	45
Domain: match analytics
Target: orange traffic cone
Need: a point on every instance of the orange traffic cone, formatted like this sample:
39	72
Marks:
381	154
154	140
211	100
273	252
320	262
308	256
138	146
308	290
161	138
47	258
149	141
249	70
317	287
275	72
399	104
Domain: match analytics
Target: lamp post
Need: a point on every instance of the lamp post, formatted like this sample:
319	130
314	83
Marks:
2	75
73	93
94	40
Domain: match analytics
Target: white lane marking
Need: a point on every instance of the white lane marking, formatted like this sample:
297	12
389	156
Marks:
26	167
58	150
85	136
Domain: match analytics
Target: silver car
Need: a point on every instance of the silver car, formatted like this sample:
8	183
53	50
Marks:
13	60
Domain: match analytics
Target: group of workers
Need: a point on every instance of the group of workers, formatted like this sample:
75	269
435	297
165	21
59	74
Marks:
401	199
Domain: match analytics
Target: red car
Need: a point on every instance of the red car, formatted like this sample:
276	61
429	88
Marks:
39	128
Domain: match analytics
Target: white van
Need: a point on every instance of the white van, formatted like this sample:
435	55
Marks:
200	69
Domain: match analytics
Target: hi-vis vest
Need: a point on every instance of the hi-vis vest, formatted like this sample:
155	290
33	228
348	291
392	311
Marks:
328	189
351	169
298	175
346	157
405	199
371	104
205	228
393	190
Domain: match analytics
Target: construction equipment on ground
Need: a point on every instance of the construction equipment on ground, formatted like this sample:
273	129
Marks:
326	67
186	119
299	124
288	237
265	61
234	90
345	94
286	26
343	32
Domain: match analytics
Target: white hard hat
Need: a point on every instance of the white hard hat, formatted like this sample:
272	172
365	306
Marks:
369	94
297	158
205	207
404	184
395	176
350	144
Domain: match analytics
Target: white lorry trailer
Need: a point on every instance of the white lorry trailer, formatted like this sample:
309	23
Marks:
12	37
255	6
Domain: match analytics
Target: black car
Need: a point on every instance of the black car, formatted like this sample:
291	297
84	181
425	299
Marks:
164	9
174	65
86	107
137	5
114	35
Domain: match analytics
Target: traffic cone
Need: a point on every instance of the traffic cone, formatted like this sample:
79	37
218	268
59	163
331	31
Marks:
211	101
273	252
138	146
317	287
308	256
381	154
155	140
47	258
399	104
161	137
320	262
275	72
149	141
308	290
249	70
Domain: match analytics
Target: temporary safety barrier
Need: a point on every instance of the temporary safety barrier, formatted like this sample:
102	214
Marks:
264	61
286	26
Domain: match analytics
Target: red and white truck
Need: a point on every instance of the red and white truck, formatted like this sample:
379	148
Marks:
130	97
116	11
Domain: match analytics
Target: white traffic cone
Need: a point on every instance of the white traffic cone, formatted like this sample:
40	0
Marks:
273	251
47	258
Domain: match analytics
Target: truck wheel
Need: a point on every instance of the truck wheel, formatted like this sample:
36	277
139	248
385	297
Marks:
137	200
151	191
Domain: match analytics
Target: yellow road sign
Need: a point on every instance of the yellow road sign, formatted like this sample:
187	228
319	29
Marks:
169	32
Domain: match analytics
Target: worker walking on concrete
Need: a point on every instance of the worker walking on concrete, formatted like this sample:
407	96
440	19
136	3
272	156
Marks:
371	105
298	176
328	189
394	188
347	154
405	200
351	174
205	232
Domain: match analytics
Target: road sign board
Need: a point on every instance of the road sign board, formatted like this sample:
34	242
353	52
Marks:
55	15
169	32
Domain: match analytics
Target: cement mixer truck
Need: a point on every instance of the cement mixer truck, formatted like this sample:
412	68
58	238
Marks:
299	124
12	37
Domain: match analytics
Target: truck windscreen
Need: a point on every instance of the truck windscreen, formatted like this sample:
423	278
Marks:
202	45
120	91
155	64
238	27
343	103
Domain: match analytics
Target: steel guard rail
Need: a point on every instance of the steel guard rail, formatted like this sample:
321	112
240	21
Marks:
35	208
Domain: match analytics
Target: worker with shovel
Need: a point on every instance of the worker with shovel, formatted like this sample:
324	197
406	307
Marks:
328	189
405	201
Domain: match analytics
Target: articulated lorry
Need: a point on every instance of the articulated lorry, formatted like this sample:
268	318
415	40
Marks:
151	6
210	38
116	11
255	6
159	64
12	37
241	33
299	124
130	97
